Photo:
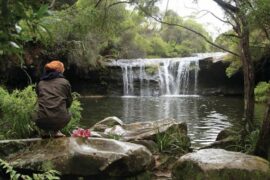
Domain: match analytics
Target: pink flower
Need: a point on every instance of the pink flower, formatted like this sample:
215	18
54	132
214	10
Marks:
80	132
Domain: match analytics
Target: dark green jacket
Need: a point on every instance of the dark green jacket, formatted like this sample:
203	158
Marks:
54	99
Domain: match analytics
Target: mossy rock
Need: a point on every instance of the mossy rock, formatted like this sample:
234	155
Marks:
218	164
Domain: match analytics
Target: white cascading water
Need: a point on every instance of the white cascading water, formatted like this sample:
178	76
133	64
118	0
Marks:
173	76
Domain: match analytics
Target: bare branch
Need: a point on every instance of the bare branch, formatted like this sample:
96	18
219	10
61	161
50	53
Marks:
209	12
52	4
230	35
97	4
119	2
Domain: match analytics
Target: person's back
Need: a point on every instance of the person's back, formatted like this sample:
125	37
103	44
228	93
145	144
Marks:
54	99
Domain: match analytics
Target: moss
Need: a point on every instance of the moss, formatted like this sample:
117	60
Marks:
152	69
47	165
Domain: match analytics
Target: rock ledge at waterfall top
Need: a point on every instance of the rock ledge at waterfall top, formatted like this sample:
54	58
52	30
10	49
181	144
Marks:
218	164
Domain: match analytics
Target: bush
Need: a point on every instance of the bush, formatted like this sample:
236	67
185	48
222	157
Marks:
17	109
76	116
262	92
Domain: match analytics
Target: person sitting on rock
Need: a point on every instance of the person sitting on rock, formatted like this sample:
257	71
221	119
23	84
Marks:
54	99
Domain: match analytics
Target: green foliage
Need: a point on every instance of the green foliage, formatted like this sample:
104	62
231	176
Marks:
152	69
19	23
235	65
17	108
172	141
262	92
251	141
14	175
76	116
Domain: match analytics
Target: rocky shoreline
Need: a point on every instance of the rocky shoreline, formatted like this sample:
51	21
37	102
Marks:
146	150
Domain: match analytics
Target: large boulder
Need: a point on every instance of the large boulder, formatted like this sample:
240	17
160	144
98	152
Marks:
227	139
219	164
165	135
146	130
83	157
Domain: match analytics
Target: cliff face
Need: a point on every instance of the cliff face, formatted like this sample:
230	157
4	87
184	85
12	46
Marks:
212	79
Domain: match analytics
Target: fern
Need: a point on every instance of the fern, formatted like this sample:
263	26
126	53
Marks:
14	175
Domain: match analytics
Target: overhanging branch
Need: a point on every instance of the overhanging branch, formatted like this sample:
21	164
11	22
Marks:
191	30
226	5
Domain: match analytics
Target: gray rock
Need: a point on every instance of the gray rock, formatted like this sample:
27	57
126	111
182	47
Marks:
167	135
107	123
218	164
147	130
83	157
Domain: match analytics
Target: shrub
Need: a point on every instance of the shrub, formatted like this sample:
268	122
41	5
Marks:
76	116
17	109
262	92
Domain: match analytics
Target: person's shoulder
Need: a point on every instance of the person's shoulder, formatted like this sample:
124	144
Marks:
62	80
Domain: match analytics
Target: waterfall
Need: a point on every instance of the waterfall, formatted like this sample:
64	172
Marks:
157	77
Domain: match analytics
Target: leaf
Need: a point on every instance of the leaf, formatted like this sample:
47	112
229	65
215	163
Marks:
43	10
13	44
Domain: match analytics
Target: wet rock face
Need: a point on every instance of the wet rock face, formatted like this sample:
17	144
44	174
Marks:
221	164
83	157
212	79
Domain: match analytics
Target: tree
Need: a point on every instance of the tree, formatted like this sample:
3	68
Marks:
237	14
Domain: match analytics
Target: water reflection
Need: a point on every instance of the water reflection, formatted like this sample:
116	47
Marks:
205	117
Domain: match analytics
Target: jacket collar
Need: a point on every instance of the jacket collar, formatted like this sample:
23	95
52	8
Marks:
51	75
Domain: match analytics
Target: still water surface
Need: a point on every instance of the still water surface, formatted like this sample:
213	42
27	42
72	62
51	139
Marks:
205	116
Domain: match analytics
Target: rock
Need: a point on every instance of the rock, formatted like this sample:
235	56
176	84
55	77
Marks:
219	164
116	130
83	157
12	146
230	143
220	84
107	123
225	133
167	134
147	130
150	144
227	139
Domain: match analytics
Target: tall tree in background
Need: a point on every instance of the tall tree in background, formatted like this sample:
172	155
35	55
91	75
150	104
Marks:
237	13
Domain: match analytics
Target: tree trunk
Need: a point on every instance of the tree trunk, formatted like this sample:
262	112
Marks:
242	30
248	71
263	144
238	15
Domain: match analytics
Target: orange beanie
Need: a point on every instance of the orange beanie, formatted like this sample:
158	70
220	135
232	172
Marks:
55	66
